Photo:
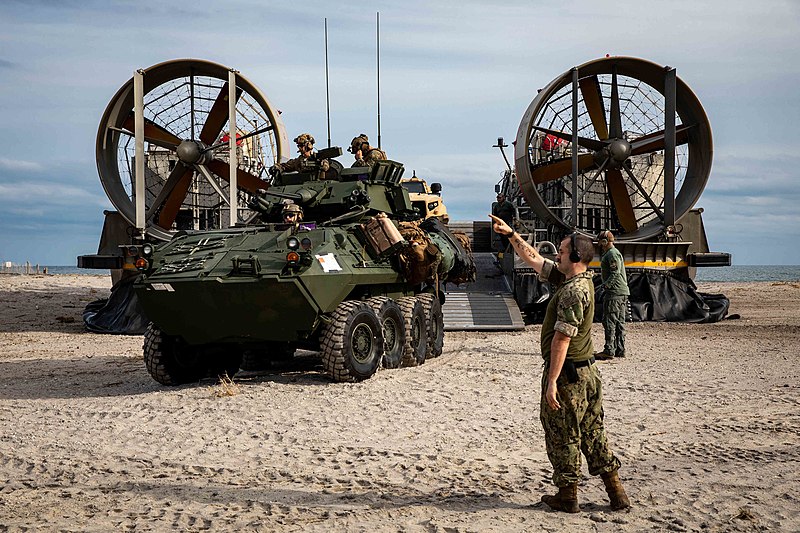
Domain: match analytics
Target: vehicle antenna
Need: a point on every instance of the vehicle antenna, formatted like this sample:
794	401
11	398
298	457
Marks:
378	55
327	90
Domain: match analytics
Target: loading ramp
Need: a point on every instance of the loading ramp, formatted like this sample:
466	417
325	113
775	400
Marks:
485	304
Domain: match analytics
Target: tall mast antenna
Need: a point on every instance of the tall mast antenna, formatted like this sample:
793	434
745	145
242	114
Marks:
378	46
327	89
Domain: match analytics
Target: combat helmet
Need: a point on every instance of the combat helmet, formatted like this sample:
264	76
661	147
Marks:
291	207
304	138
355	144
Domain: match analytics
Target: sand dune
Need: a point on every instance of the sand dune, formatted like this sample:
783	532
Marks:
705	418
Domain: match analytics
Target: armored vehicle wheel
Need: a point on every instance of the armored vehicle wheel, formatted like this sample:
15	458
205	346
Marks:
435	323
169	361
416	331
352	344
394	331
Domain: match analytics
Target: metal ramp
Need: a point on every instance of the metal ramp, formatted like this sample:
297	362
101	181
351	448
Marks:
485	304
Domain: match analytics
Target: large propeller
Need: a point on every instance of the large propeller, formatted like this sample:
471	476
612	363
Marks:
186	114
617	157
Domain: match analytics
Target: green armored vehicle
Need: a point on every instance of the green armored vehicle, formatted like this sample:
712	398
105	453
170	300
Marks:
357	279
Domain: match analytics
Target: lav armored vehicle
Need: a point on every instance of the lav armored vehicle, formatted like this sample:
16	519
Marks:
356	280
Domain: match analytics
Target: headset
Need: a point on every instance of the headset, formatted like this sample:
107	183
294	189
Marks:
574	254
604	237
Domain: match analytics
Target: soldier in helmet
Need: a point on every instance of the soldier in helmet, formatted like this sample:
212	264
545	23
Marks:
364	154
292	213
305	147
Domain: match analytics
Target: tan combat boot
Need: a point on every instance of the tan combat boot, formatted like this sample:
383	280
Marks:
566	500
616	493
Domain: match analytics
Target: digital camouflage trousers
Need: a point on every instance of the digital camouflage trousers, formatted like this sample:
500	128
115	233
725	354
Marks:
614	310
577	427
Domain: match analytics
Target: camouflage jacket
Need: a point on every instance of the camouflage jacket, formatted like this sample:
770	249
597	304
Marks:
570	311
368	159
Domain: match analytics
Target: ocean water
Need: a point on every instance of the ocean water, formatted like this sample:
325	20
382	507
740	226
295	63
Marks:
736	273
749	273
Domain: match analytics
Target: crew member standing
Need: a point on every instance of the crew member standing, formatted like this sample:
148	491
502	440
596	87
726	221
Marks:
571	409
615	297
504	210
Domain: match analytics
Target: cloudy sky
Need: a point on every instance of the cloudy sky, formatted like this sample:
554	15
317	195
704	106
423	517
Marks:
454	77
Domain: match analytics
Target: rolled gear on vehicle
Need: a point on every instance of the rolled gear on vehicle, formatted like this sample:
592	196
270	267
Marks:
457	253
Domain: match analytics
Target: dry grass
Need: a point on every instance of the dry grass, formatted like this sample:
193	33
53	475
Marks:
226	387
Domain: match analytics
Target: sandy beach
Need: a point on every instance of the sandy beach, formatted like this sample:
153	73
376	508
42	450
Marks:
705	418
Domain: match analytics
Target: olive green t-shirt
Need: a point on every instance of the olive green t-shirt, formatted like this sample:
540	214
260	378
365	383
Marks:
570	311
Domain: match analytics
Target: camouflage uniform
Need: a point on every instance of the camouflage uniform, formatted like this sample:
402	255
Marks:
368	156
368	159
578	425
615	300
296	164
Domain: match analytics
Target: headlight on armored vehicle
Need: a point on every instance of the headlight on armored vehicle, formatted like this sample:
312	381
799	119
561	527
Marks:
292	257
293	243
306	243
147	249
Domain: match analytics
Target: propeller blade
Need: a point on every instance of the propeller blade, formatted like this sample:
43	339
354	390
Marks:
590	144
173	194
593	99
244	179
217	116
653	142
153	133
621	200
560	167
615	127
174	178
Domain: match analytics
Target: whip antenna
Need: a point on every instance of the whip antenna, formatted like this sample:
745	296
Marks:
378	54
327	90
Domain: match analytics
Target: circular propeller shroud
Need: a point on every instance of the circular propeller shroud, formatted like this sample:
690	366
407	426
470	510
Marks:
185	133
621	141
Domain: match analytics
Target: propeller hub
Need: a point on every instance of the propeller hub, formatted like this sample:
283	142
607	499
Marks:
619	150
191	152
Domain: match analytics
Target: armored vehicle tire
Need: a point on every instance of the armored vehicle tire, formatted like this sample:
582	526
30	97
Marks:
416	331
394	331
260	359
435	323
168	360
352	343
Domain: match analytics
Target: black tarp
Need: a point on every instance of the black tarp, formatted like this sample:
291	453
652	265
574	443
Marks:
119	314
659	296
656	296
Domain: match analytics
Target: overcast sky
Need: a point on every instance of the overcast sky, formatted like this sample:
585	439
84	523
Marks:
454	77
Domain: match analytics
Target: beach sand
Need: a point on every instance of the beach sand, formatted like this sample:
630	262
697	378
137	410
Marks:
704	417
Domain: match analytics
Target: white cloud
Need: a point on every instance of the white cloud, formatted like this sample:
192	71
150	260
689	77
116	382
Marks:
15	165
